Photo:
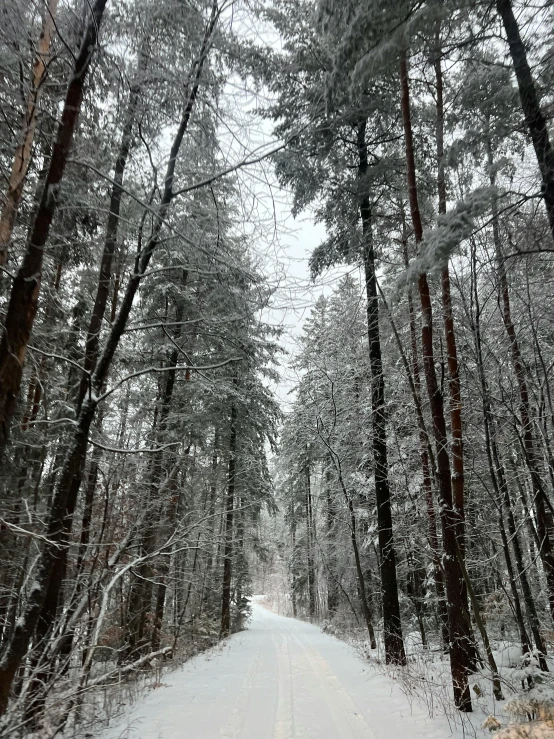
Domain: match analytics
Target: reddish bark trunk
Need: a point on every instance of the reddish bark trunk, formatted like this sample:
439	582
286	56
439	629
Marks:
426	473
22	156
454	385
457	615
23	303
450	335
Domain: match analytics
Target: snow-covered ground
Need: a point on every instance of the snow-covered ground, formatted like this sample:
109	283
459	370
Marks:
279	679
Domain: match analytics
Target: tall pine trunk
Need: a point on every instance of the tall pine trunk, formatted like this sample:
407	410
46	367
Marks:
229	514
23	303
427	478
457	445
530	103
460	641
22	158
392	626
92	343
310	543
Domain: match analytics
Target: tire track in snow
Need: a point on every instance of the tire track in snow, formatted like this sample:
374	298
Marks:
284	719
349	722
239	713
279	679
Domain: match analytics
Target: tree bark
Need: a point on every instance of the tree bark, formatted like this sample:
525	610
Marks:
22	158
392	625
229	513
23	303
366	608
309	544
427	478
457	443
364	601
460	641
93	334
142	588
293	567
110	243
496	686
502	492
331	516
530	104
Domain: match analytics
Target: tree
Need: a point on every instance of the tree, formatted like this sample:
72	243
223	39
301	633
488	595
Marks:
335	140
531	107
23	304
22	155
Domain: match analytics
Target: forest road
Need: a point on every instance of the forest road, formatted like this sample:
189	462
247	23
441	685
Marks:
279	679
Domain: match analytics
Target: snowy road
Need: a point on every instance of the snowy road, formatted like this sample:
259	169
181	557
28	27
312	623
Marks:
280	679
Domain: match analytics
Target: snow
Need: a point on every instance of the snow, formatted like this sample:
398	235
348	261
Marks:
280	679
508	655
532	730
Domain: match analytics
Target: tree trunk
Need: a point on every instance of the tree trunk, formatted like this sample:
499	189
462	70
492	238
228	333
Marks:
22	157
229	511
23	303
529	97
332	588
496	686
392	626
366	608
427	480
309	546
49	562
142	588
212	519
293	562
460	642
110	243
104	278
501	490
457	445
165	565
84	539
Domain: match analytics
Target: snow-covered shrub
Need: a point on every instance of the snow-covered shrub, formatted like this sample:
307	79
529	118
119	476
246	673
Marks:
532	730
492	723
532	705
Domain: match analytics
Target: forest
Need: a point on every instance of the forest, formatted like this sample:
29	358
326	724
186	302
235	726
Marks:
177	435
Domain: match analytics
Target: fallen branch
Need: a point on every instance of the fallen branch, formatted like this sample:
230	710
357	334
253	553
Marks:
120	671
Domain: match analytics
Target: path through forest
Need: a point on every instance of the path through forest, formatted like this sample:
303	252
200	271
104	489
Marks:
280	679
